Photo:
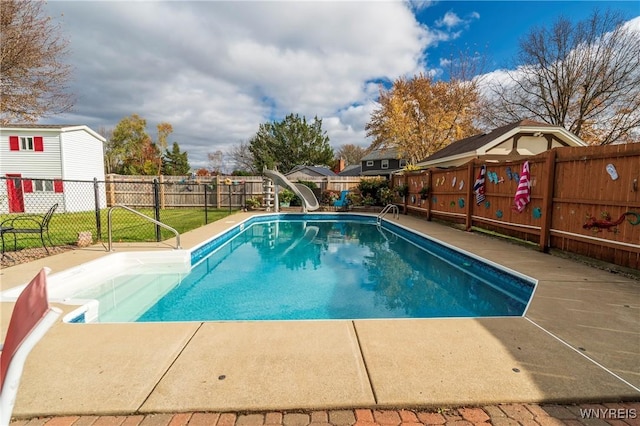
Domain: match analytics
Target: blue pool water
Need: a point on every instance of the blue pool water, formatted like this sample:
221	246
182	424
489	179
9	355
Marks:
286	267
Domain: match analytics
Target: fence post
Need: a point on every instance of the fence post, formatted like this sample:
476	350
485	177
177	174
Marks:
218	191
96	198
162	195
405	199
206	219
156	205
547	200
470	184
112	191
429	196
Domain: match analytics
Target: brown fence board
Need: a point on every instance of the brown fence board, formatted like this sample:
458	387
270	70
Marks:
568	185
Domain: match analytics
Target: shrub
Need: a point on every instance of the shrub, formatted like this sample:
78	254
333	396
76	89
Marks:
370	190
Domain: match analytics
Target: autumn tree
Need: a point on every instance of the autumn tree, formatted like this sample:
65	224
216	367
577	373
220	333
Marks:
351	154
584	77
289	143
33	75
419	115
164	130
131	151
175	162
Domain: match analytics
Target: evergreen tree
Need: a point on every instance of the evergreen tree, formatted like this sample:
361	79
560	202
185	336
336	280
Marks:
290	143
175	162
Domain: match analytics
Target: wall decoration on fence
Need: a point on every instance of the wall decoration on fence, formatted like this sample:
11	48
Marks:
487	204
478	186
537	213
509	174
597	225
461	203
523	192
611	169
499	214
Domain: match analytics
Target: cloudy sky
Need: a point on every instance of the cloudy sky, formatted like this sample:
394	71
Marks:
216	70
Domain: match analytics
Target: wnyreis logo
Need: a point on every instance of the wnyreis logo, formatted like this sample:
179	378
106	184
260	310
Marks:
608	413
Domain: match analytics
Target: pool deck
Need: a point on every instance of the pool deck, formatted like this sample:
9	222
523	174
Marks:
579	342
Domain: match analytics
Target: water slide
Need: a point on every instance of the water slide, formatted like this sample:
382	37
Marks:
306	195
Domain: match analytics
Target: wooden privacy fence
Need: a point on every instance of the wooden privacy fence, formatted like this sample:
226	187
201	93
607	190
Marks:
186	191
576	204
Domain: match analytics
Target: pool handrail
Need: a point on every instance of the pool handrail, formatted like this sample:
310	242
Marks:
150	219
388	208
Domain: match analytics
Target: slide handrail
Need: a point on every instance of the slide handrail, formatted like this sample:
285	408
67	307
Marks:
150	219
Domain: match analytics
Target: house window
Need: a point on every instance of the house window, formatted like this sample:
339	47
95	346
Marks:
403	163
370	163
26	143
40	185
385	164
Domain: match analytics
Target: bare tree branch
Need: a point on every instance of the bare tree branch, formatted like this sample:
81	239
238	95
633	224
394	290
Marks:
584	77
32	74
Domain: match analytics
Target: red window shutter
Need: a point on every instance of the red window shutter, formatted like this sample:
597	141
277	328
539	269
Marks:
27	185
37	143
14	143
57	186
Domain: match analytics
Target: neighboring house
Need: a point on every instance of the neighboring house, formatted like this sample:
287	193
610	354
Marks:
304	172
511	142
382	162
351	170
42	161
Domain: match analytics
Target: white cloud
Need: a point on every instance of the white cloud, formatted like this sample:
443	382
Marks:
449	20
217	70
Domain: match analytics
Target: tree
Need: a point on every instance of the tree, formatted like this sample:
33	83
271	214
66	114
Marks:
32	72
584	77
175	162
351	154
419	116
131	150
216	160
290	143
164	130
242	159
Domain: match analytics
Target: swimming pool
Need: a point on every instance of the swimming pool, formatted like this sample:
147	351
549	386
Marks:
296	267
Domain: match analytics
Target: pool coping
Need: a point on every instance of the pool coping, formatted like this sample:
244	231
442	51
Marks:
574	344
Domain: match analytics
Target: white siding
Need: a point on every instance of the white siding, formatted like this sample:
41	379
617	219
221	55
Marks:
82	156
82	160
44	164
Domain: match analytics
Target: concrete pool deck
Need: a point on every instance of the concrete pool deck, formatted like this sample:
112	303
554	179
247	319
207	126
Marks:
578	342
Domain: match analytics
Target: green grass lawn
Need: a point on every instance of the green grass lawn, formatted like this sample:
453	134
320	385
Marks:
127	227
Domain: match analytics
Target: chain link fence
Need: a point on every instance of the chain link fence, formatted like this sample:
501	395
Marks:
40	217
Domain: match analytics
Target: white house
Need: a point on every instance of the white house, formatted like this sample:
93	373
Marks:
41	165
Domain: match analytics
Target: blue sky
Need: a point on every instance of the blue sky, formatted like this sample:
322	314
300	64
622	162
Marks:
216	70
495	27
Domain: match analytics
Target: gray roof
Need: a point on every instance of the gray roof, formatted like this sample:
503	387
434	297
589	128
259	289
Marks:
321	170
39	126
382	154
472	143
351	170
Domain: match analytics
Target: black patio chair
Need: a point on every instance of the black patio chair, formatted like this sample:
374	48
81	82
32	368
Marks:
29	224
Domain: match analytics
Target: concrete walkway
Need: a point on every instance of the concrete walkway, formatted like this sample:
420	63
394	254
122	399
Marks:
578	342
